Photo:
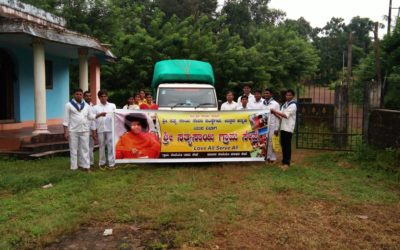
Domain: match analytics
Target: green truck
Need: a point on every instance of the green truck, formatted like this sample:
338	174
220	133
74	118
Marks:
186	85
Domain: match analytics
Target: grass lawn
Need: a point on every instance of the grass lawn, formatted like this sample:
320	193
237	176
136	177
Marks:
326	200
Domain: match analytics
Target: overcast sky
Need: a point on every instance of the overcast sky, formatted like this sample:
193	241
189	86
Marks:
319	12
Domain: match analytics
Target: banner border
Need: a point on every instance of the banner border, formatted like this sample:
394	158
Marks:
187	160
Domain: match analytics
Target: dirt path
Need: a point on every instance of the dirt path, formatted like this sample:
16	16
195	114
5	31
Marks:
124	237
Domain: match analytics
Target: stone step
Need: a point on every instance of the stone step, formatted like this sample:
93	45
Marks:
61	152
30	153
15	154
45	146
43	138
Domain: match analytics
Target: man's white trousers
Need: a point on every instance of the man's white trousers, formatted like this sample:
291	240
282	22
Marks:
105	140
91	147
79	149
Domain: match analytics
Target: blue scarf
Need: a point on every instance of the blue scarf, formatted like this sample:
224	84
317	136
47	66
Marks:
78	106
267	102
287	104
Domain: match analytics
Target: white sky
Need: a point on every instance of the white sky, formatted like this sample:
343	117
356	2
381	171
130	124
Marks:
319	12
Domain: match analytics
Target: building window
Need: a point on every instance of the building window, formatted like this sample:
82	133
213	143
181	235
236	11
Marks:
49	74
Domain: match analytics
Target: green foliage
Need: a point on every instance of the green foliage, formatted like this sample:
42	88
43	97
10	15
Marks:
286	55
391	58
243	42
246	41
302	27
332	45
363	74
393	90
366	71
361	28
186	8
377	159
244	17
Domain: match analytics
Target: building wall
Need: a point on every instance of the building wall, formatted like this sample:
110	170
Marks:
59	95
383	129
24	85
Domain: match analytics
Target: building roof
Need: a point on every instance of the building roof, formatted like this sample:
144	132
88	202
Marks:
14	8
20	22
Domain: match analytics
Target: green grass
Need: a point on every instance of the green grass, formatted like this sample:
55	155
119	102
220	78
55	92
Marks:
188	203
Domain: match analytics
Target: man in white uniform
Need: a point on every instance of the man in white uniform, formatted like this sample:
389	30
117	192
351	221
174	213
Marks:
288	116
270	103
257	102
77	115
88	99
230	104
243	103
104	110
246	92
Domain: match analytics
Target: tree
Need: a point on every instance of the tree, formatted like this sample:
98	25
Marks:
288	58
261	14
390	56
243	44
332	45
361	29
391	68
244	17
238	19
302	27
186	8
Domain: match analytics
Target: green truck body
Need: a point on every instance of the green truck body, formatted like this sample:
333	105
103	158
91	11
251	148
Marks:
184	85
182	71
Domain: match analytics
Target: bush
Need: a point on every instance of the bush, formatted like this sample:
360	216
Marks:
370	157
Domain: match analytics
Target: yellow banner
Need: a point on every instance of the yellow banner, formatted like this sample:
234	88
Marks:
187	136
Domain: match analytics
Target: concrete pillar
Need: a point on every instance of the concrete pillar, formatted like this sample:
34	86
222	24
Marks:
341	115
94	69
39	74
83	69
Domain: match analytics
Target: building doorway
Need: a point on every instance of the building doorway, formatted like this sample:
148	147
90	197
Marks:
7	78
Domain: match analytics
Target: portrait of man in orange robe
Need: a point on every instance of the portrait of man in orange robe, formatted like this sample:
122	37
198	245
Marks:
137	142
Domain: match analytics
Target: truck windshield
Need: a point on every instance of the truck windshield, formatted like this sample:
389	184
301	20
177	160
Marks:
186	97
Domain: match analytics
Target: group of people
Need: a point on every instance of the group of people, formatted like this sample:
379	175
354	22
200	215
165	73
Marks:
140	100
282	120
85	123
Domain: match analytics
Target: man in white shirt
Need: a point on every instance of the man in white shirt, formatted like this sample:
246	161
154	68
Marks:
230	104
77	117
270	103
104	110
288	121
243	103
257	102
132	103
246	92
88	99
